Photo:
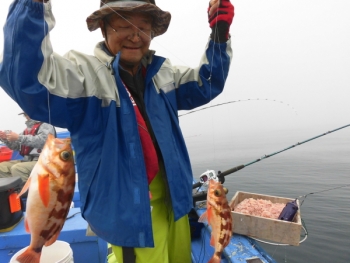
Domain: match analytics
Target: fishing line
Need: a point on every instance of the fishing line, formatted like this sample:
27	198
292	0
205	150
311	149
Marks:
71	216
214	44
301	198
302	221
137	28
124	18
156	41
239	167
215	32
229	102
321	191
46	60
170	51
216	36
236	101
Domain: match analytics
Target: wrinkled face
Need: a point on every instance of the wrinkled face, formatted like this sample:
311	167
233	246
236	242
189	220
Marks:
128	33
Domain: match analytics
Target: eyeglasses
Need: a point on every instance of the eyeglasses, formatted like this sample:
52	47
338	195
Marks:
128	32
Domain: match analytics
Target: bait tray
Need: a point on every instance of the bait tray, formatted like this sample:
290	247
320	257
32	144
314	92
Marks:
275	230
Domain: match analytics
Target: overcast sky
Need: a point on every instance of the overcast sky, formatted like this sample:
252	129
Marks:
295	54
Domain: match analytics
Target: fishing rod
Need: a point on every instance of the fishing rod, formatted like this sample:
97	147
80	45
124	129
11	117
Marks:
234	101
240	167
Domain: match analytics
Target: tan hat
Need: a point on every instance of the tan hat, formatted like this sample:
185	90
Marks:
161	19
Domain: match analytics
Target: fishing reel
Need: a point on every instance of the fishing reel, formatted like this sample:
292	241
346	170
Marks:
204	181
211	175
208	175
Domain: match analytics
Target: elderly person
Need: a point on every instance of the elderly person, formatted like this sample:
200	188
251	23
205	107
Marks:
29	143
120	106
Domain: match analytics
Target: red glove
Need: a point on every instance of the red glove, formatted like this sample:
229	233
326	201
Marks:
220	16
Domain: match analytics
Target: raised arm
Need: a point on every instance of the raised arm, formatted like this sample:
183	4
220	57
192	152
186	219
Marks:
33	75
200	85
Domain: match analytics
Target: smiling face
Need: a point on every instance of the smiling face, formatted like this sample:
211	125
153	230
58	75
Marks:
129	34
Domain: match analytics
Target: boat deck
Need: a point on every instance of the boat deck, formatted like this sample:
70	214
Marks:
240	249
85	248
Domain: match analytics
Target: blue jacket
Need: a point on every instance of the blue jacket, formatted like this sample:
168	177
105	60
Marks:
85	94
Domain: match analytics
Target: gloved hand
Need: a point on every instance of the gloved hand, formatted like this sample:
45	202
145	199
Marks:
220	16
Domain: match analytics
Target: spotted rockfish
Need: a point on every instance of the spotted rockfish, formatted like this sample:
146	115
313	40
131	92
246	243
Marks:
51	188
218	216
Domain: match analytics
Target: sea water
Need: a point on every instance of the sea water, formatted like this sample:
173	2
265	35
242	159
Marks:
318	165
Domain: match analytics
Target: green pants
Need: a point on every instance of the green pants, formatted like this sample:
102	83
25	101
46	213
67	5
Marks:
16	168
172	240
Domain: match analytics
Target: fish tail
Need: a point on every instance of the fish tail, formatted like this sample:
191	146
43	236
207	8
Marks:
29	256
216	258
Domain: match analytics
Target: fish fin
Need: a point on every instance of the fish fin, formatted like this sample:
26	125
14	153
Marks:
29	256
212	241
216	258
25	187
52	239
203	217
209	214
26	225
44	188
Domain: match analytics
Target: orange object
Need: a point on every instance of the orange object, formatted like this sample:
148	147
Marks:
5	153
44	188
218	216
51	185
15	203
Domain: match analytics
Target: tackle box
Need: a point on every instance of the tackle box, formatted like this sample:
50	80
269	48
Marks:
275	230
10	206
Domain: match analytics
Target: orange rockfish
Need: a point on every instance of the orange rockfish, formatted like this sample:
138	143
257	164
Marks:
218	216
51	188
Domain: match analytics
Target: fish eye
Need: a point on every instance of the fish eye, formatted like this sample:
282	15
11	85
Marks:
217	193
65	155
225	190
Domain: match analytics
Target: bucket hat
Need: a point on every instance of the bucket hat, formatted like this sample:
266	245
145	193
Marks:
161	19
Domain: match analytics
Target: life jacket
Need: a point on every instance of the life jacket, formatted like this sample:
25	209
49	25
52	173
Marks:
25	150
148	149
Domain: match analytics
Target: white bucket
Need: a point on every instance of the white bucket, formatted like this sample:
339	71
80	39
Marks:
58	252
